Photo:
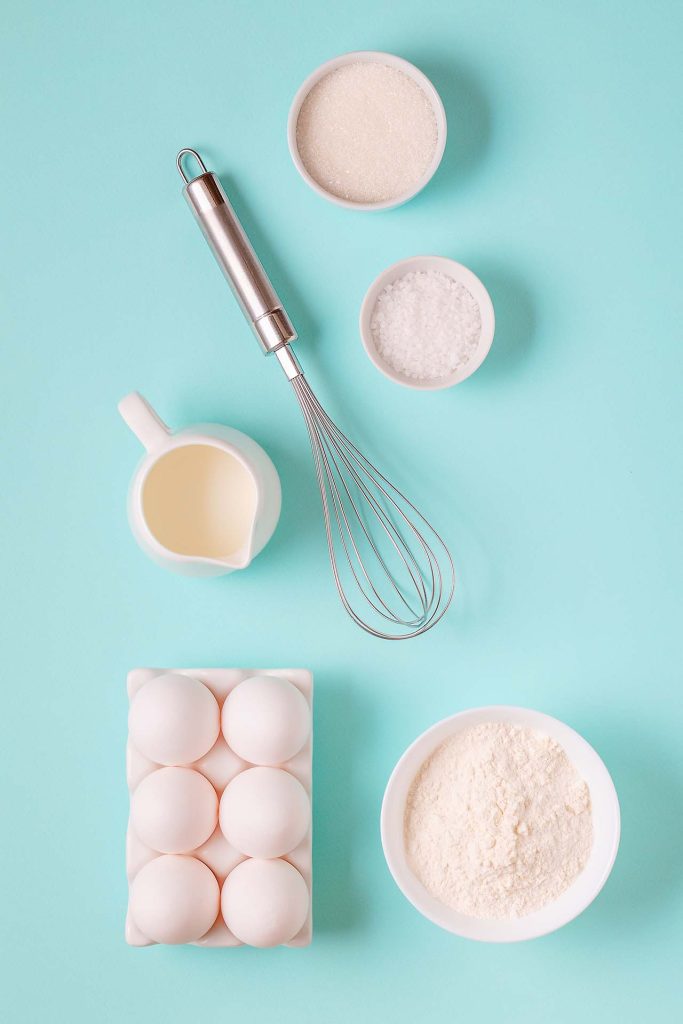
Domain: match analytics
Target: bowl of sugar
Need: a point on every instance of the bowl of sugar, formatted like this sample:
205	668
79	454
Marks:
500	824
427	322
367	130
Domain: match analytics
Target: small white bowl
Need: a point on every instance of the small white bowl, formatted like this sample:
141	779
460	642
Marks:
458	273
575	899
377	57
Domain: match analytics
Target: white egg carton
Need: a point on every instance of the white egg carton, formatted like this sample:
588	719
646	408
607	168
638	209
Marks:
220	765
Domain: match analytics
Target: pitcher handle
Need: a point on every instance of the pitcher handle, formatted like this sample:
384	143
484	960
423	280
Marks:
149	428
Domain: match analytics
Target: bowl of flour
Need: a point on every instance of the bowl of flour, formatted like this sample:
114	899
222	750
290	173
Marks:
500	824
427	322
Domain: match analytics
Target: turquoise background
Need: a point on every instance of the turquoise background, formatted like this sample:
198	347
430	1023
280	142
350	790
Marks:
554	473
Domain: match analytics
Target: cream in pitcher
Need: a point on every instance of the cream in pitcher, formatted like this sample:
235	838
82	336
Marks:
204	501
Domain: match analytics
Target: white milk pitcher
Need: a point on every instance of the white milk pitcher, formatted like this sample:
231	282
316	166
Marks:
203	501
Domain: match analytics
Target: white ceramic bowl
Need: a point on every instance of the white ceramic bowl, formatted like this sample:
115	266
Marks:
575	899
451	269
377	57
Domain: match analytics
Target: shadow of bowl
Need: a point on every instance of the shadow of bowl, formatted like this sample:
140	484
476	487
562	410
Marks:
516	322
468	115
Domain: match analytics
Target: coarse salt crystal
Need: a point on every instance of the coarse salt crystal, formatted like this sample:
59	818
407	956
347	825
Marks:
426	325
366	132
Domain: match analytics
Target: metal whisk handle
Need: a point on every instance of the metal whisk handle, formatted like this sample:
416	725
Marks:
238	261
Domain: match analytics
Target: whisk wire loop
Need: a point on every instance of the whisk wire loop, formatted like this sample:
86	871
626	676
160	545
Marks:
412	598
331	442
347	529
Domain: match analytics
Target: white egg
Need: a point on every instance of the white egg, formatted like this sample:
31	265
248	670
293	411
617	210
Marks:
264	812
264	902
174	719
174	810
174	899
266	720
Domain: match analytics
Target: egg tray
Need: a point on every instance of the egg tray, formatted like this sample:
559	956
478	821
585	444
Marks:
220	765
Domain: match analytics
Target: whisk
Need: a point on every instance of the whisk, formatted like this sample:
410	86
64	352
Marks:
393	572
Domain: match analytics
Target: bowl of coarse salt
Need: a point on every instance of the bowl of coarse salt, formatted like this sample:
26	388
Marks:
500	824
367	130
427	322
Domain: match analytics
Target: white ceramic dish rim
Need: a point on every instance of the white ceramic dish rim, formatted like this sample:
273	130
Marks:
572	902
378	57
451	268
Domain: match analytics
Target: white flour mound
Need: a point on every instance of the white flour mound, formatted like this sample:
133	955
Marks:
498	821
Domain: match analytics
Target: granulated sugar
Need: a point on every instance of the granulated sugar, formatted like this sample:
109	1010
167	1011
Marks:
366	132
498	821
426	325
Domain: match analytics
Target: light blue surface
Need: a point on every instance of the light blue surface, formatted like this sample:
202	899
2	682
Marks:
554	472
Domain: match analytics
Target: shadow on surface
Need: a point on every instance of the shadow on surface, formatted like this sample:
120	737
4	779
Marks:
300	528
515	322
467	114
342	729
647	872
